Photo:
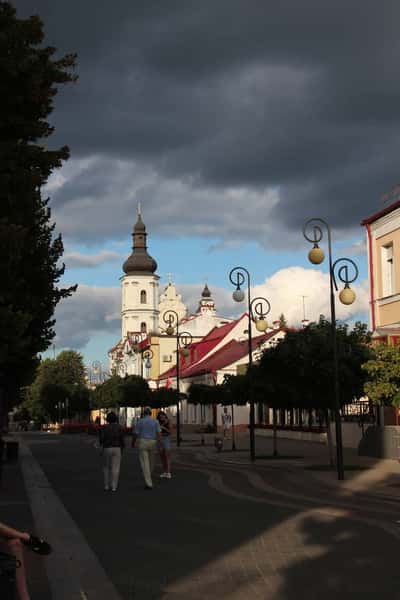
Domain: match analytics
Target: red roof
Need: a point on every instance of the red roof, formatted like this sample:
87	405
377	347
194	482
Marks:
381	213
199	349
118	345
228	354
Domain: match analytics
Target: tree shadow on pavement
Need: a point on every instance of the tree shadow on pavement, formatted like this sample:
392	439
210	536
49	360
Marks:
348	560
213	532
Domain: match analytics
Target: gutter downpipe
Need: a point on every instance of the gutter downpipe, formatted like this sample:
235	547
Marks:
371	276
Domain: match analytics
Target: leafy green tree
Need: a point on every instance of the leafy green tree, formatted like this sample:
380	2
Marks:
383	375
299	371
58	381
29	251
163	397
135	391
200	393
235	389
109	394
53	401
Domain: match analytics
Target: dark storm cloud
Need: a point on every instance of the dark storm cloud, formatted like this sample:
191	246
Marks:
91	310
300	97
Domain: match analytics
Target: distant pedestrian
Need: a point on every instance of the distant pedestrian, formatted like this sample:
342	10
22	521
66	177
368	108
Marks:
226	419
148	432
165	450
111	438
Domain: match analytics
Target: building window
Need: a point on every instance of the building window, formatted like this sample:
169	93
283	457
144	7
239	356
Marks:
143	297
387	270
143	328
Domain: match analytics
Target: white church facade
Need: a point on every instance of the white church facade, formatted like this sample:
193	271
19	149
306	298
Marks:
142	315
219	345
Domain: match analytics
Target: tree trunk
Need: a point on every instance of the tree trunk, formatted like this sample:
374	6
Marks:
329	438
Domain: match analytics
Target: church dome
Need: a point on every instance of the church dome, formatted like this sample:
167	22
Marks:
139	262
206	292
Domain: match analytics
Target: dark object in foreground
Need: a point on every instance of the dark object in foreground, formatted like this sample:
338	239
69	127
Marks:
8	565
38	545
12	450
218	444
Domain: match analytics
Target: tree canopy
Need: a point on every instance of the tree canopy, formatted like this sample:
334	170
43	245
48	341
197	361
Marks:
299	370
383	375
200	393
163	397
58	381
29	250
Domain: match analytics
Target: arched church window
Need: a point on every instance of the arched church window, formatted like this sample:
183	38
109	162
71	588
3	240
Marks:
143	297
143	328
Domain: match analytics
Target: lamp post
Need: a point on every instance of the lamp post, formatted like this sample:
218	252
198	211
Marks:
258	308
346	296
96	372
122	369
183	341
146	357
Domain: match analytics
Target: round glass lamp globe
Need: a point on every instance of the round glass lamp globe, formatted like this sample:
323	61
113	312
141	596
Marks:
185	352
316	255
261	325
170	330
238	295
347	296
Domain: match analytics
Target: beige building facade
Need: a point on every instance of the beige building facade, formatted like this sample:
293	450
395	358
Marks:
383	247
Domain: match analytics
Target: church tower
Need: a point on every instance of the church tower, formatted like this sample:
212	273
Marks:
139	313
206	304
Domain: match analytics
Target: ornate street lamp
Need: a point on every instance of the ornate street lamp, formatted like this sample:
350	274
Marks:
146	358
346	296
145	355
122	369
258	308
96	370
183	341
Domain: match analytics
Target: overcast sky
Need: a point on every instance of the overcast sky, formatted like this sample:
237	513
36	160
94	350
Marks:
232	122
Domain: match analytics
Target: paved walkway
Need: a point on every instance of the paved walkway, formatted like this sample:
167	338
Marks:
280	529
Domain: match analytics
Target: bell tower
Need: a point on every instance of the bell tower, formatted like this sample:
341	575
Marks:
139	311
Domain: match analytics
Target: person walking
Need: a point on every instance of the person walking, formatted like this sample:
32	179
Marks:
226	419
165	449
111	438
148	433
